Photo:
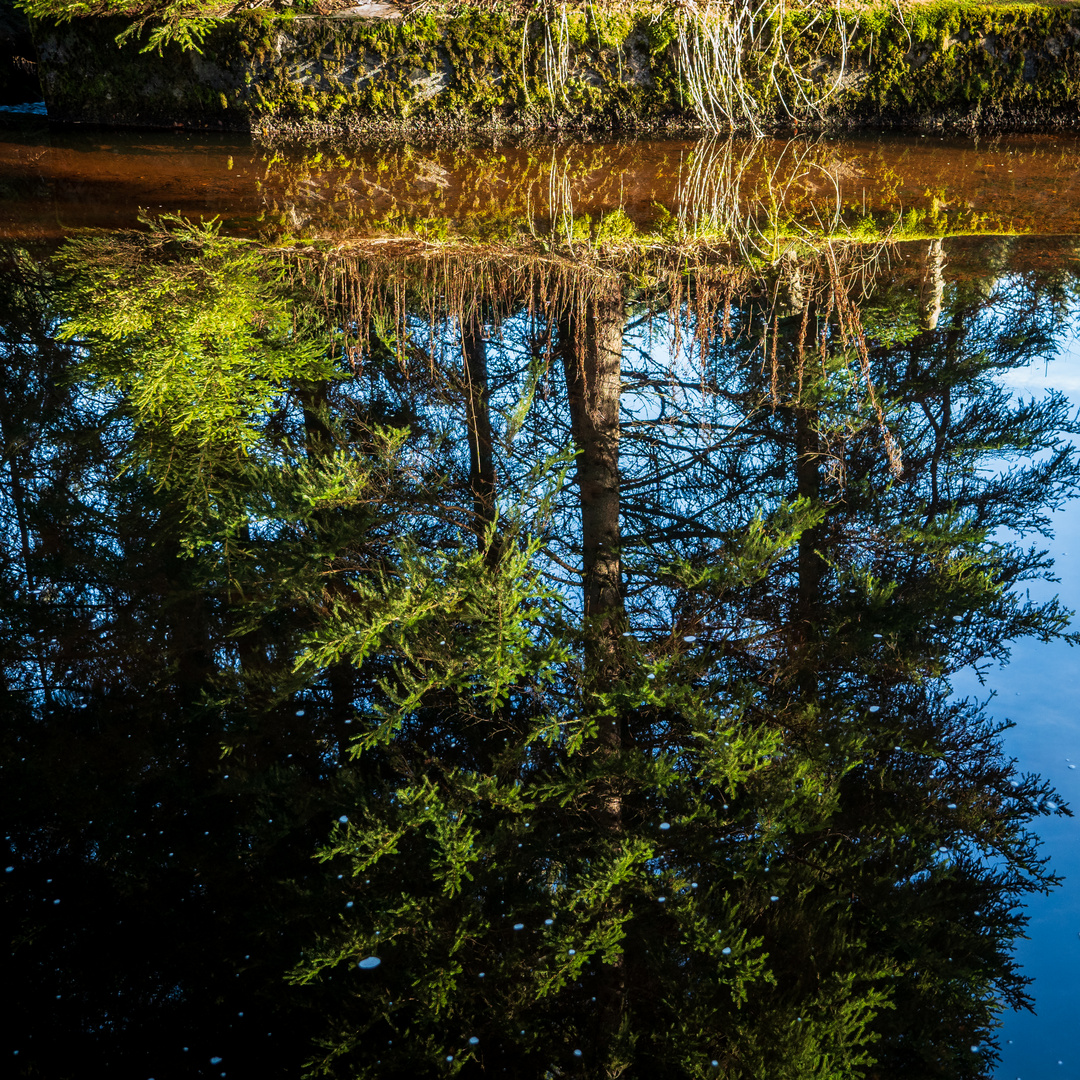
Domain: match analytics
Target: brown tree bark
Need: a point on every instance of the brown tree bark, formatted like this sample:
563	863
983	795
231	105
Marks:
591	349
932	285
807	614
318	445
592	357
478	425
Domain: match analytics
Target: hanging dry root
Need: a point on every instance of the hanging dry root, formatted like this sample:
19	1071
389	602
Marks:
735	60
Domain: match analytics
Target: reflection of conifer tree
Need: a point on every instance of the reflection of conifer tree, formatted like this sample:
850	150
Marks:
713	834
878	569
158	850
478	428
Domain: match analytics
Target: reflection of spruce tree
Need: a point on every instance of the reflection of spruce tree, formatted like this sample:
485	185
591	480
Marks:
166	863
90	763
637	964
549	830
860	673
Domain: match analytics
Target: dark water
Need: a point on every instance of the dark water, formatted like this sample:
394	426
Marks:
822	397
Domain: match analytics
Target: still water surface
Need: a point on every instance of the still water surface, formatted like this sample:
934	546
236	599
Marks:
957	245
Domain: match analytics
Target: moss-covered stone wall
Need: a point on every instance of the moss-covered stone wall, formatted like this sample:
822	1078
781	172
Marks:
952	64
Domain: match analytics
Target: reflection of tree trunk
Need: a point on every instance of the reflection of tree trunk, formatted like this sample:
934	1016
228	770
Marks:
932	286
478	421
794	286
941	426
15	448
592	356
593	359
318	445
189	634
811	564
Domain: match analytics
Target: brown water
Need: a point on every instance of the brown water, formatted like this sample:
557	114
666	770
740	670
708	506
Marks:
55	180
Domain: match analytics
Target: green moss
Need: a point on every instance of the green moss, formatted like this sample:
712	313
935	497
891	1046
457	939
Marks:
947	61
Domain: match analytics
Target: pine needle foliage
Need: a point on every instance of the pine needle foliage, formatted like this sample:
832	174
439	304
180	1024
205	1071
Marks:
474	869
195	336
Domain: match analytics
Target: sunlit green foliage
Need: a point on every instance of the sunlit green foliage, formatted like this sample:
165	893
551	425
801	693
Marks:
194	333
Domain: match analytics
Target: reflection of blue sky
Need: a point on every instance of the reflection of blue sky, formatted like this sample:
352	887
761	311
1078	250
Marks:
1040	691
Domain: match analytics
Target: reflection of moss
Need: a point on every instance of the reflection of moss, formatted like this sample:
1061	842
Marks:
592	194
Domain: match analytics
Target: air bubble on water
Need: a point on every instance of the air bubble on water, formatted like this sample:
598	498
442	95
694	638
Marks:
690	638
952	806
665	825
661	899
473	1040
726	950
519	926
449	1057
299	712
715	1063
481	975
343	819
577	1053
650	676
548	922
573	952
877	635
349	904
693	884
369	962
875	708
1072	766
774	898
1051	806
